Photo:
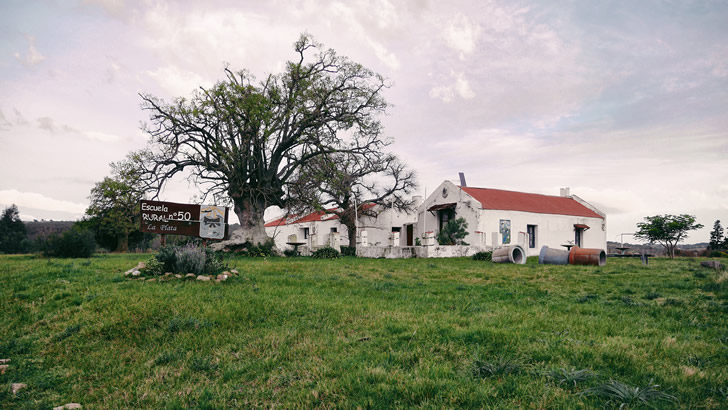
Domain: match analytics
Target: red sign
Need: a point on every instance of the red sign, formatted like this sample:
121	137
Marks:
184	219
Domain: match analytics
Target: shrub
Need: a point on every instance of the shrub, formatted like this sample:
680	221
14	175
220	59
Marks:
167	256
348	250
483	256
214	263
71	244
290	253
190	259
154	267
326	253
248	249
571	377
453	232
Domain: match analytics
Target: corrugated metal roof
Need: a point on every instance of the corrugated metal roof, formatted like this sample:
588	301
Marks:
521	201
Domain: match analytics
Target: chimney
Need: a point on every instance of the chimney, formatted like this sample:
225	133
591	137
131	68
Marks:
566	192
462	180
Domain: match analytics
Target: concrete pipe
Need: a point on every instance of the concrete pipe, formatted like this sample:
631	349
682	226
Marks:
509	254
587	256
550	256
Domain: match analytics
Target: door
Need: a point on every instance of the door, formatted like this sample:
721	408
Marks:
578	236
410	235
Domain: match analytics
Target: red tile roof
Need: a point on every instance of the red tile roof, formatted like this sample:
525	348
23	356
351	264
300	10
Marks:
521	201
313	216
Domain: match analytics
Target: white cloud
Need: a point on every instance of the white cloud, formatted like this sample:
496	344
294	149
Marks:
461	35
39	201
32	56
102	136
460	87
176	81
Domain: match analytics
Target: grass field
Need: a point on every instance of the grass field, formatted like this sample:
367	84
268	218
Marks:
364	333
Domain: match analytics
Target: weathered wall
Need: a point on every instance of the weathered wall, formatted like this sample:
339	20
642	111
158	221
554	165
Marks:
393	252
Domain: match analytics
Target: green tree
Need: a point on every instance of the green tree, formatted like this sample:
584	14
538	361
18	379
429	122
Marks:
12	231
716	236
114	208
244	141
453	232
667	230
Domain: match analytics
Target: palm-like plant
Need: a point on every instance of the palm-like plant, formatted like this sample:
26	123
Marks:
628	396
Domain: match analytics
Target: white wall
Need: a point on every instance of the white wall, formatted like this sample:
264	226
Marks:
551	230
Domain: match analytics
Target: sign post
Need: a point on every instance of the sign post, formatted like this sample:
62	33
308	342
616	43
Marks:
202	221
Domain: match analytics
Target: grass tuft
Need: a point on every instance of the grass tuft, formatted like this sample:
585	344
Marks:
501	366
626	396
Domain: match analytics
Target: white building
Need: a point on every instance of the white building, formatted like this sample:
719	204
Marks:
497	217
318	229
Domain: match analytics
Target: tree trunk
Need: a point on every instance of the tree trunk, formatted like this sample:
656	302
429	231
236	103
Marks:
252	225
347	219
122	243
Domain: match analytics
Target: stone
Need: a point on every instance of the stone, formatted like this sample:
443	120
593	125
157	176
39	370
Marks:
136	273
127	273
178	276
221	277
234	271
203	278
4	361
68	406
711	264
190	275
3	367
141	266
16	387
151	280
168	274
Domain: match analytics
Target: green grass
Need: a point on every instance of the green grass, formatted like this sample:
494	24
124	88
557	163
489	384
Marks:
367	333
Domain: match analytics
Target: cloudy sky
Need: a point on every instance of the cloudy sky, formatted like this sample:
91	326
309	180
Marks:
624	102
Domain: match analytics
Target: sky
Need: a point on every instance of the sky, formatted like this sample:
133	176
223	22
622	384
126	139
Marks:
624	102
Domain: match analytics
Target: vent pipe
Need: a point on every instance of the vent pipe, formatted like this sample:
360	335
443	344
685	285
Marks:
462	180
566	192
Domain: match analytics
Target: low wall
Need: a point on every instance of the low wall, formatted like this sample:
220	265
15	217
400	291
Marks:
401	252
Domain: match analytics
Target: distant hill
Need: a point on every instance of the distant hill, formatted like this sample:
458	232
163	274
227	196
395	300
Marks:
42	229
691	249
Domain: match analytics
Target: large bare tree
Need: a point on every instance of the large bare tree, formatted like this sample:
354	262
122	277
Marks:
245	141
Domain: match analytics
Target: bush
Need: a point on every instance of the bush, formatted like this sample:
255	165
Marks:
453	232
214	263
290	253
190	259
348	250
154	267
167	256
718	254
248	249
326	253
72	244
483	256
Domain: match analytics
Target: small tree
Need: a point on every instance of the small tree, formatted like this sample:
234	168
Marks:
114	208
667	230
12	231
340	182
453	232
716	236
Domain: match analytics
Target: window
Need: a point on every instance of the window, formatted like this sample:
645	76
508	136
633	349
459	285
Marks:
305	233
531	230
445	215
396	229
334	229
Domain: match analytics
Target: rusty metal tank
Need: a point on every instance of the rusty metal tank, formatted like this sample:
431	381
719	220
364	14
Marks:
587	256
